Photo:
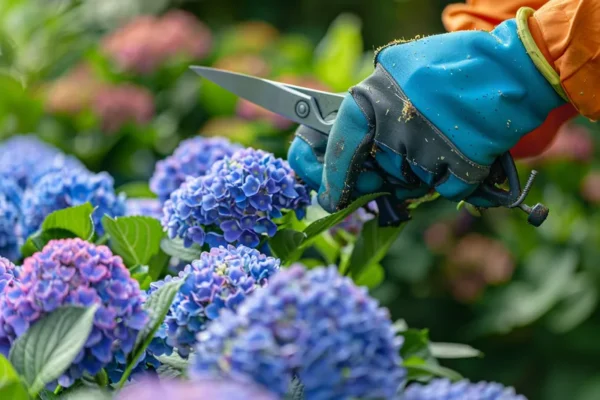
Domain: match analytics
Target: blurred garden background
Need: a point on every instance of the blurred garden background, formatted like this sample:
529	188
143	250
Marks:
108	81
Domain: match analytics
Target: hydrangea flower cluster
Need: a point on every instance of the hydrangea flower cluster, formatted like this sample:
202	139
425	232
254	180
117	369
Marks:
25	158
235	202
148	42
118	105
143	207
193	157
314	324
208	388
443	389
221	279
10	218
67	188
75	272
354	222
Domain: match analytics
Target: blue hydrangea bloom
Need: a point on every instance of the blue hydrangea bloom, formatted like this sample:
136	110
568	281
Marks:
314	324
66	188
207	388
76	272
193	157
443	389
235	202
221	279
144	207
26	158
11	230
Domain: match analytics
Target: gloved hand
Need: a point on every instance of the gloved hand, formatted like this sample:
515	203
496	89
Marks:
436	113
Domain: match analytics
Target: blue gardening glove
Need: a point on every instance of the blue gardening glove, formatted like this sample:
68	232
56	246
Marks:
435	114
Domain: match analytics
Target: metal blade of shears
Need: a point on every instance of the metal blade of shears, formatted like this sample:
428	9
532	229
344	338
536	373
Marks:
313	108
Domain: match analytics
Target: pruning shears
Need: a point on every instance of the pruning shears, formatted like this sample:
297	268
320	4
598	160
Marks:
318	109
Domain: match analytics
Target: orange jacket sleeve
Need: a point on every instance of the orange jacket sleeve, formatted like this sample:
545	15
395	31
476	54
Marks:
484	14
567	32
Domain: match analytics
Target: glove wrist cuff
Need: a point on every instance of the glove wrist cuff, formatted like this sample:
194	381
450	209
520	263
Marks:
535	53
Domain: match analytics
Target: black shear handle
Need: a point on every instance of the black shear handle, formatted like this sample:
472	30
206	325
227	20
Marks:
514	196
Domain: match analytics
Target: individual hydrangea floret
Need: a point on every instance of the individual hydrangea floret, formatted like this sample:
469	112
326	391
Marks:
443	389
207	388
67	188
221	279
193	157
11	231
235	202
143	207
25	158
76	272
316	325
354	222
8	272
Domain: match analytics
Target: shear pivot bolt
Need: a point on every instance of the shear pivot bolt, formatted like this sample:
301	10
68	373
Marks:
302	109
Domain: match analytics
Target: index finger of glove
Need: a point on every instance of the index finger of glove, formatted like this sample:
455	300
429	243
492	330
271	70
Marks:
307	155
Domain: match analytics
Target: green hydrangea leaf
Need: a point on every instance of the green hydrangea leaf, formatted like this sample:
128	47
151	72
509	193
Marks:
50	345
332	220
175	248
453	350
61	224
136	190
157	305
136	239
11	386
286	243
372	245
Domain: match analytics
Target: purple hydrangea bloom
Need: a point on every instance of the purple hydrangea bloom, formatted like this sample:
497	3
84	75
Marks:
314	324
193	157
75	272
221	279
8	272
26	158
11	231
443	389
144	207
354	222
235	202
207	388
67	188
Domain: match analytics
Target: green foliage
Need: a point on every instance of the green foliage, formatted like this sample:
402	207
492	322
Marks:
157	306
66	223
136	190
289	244
49	347
175	248
11	386
371	247
418	359
136	239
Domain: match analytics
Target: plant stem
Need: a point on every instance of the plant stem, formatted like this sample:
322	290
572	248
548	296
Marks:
102	240
58	389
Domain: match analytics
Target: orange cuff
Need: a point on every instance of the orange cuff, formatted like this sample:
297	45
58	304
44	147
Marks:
567	32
